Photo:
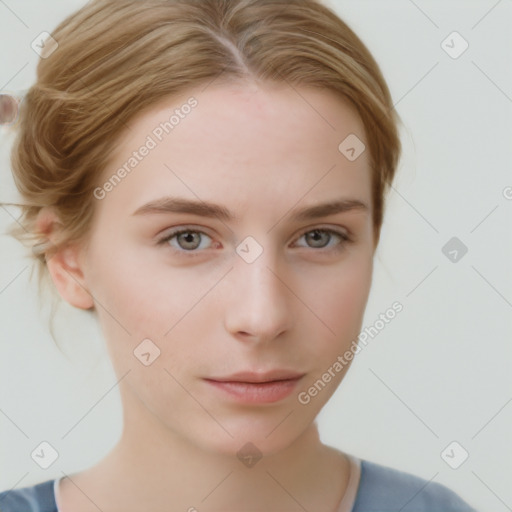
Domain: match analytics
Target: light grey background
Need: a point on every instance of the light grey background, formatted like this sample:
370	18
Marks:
439	372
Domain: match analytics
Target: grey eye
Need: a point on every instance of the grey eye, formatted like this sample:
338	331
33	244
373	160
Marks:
318	238
189	240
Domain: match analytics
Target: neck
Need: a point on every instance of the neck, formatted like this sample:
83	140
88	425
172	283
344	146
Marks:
153	468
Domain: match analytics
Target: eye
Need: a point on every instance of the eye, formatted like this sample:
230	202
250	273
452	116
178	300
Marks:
185	240
188	240
320	238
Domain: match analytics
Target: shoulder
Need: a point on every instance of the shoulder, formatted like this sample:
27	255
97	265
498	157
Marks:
388	490
37	498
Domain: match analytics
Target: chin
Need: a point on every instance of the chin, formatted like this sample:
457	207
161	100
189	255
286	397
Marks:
251	438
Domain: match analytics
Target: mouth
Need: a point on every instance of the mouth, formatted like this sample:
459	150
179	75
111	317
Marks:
259	377
253	388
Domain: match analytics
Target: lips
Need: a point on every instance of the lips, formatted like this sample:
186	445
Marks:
255	377
257	388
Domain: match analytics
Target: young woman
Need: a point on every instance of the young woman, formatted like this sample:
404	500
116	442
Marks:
209	178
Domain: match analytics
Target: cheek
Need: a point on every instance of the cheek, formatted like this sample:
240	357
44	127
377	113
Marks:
135	301
135	293
340	301
348	306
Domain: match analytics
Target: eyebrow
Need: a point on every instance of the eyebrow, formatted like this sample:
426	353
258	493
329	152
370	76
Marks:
207	209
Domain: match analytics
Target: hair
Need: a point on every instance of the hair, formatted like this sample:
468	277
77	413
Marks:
116	58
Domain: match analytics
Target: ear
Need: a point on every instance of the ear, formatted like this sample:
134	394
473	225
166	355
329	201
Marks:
65	264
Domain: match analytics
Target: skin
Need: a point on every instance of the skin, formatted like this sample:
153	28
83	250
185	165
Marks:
262	151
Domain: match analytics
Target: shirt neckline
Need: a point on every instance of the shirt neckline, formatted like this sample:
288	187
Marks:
349	498
56	492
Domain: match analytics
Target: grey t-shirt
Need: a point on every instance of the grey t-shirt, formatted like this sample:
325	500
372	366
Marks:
377	489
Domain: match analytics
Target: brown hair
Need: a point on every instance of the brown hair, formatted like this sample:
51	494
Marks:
117	57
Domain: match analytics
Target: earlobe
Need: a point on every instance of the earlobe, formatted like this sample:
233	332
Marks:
64	264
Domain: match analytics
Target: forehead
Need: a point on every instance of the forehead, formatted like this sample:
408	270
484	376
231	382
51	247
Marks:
242	143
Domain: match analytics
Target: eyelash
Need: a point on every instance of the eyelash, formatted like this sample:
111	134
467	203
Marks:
345	239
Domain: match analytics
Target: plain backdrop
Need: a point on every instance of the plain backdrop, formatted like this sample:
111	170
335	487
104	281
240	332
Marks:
437	373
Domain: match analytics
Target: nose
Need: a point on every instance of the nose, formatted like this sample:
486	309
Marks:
259	304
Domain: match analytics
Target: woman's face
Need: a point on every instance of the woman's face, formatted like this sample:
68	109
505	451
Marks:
269	284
